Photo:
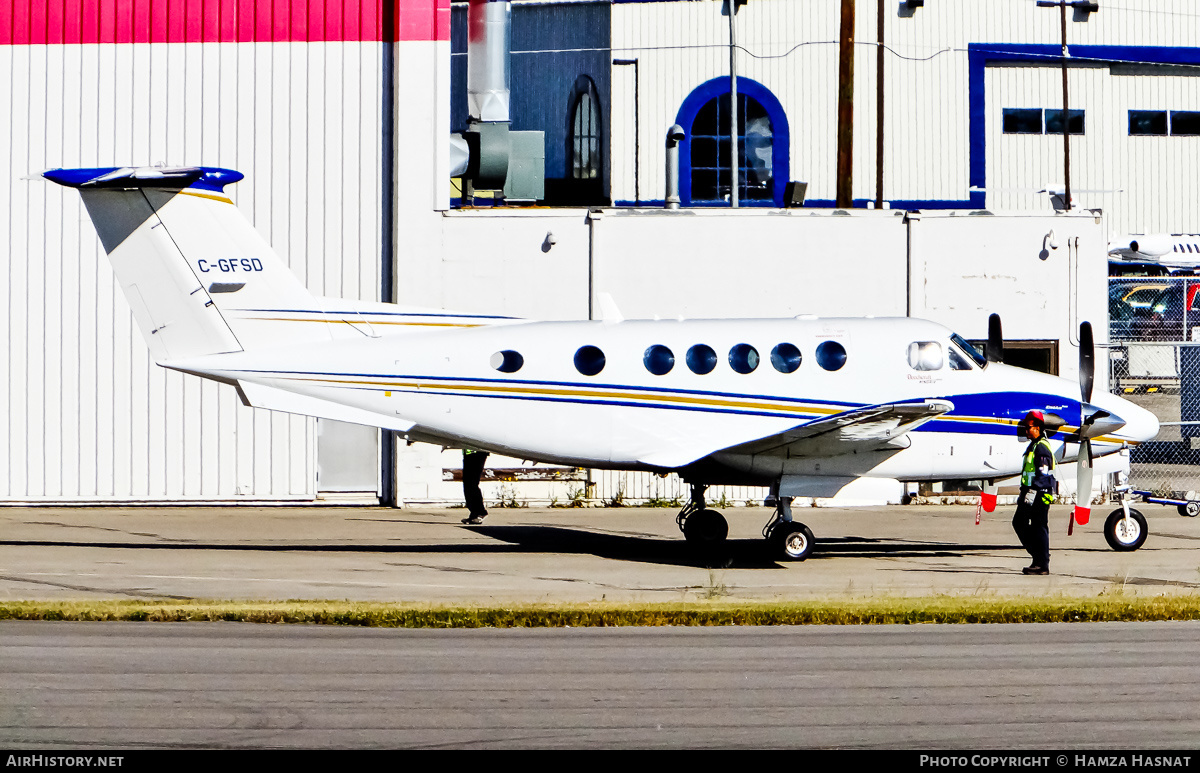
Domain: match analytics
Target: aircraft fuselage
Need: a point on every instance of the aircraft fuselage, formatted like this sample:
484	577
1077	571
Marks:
587	393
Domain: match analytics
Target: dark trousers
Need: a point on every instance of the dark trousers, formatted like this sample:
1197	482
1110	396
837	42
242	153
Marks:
472	472
1032	528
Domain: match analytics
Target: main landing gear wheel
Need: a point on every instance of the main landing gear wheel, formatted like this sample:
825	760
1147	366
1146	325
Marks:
793	540
1125	535
705	527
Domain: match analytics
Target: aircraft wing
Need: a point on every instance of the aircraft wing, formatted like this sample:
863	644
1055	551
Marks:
861	429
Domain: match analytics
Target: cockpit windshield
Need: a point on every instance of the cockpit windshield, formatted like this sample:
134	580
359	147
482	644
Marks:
970	351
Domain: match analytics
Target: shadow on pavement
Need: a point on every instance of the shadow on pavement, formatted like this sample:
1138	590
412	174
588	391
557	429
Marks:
733	553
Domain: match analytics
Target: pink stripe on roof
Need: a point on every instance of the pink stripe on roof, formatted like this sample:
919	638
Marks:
53	22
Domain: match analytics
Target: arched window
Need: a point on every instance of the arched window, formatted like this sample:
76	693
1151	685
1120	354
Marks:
763	145
584	144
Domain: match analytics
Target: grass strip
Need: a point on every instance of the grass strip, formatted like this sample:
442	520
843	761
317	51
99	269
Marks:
875	611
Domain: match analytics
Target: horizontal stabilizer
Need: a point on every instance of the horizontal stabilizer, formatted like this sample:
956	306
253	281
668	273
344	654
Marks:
260	396
208	178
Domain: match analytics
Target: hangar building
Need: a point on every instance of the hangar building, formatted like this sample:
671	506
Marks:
340	113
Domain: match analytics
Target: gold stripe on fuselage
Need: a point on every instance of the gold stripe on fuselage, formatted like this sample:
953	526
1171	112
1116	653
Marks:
590	393
343	320
655	397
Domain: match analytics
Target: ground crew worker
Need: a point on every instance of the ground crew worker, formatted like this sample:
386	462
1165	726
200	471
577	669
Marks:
1037	492
472	472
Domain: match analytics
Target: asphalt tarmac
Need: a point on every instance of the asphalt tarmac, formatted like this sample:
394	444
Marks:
122	686
990	689
584	554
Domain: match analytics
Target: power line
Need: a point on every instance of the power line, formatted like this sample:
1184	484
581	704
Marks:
1049	57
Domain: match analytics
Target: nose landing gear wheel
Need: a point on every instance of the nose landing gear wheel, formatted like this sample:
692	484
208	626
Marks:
1123	535
792	541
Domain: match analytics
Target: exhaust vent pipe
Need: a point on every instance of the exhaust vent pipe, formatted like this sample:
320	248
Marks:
489	37
497	159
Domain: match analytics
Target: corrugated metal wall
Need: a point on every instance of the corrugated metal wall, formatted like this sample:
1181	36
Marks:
83	413
1160	176
792	49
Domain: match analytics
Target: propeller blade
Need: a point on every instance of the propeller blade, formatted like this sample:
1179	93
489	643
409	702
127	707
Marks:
1087	360
1083	484
993	350
987	498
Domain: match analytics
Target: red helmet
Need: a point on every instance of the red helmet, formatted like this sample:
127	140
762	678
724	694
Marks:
1032	419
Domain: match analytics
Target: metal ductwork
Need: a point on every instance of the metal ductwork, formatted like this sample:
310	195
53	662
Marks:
498	159
489	40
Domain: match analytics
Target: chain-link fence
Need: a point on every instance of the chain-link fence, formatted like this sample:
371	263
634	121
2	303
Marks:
1154	361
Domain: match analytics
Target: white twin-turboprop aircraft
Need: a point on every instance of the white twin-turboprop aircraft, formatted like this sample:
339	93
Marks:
802	405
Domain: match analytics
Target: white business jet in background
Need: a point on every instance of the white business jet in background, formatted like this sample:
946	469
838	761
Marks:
1170	250
804	405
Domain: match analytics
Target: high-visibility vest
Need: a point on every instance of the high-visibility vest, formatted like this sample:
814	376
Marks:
1027	470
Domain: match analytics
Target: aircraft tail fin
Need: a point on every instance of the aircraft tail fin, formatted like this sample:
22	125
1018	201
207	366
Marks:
195	272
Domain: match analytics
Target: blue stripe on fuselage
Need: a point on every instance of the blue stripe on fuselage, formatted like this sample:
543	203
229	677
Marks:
1002	408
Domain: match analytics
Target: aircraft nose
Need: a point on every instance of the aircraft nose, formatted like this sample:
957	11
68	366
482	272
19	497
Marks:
1140	424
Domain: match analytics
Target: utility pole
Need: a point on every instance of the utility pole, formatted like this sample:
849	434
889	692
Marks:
1066	114
845	127
879	108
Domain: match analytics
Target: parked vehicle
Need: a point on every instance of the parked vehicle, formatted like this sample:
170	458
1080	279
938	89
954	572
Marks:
1126	297
1171	315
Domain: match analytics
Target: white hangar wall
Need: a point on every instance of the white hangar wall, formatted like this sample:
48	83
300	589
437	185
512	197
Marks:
951	68
291	97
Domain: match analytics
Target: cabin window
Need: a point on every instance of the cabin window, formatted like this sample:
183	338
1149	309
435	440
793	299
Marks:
785	358
659	360
589	360
925	355
701	359
743	358
831	355
507	361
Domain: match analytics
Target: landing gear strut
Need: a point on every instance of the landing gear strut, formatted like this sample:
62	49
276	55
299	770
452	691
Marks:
699	524
789	540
